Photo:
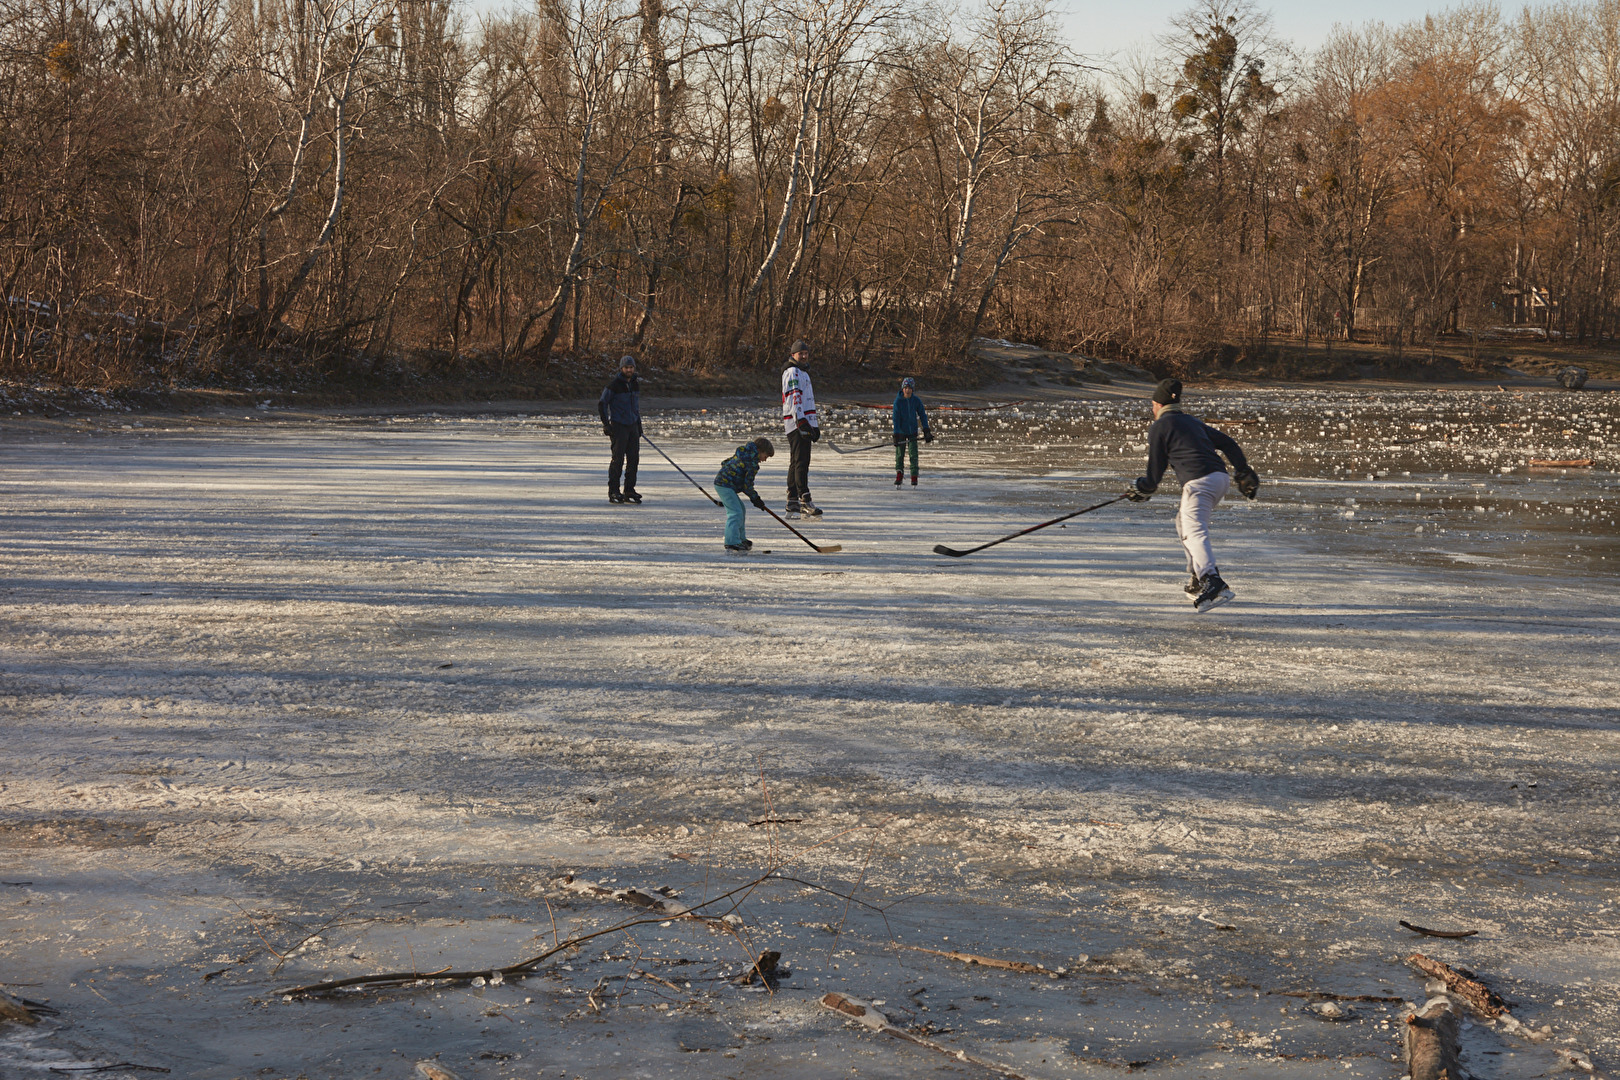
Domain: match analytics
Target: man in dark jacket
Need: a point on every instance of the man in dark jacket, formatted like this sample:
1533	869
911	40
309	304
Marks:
620	406
1181	441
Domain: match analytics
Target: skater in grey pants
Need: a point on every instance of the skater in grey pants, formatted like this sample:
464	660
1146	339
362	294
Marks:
1181	441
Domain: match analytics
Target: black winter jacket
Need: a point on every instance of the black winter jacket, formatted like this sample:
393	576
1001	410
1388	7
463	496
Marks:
621	401
1188	445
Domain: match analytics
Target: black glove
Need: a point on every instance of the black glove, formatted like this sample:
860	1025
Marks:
1248	482
899	439
928	436
759	503
814	434
607	429
1136	494
803	426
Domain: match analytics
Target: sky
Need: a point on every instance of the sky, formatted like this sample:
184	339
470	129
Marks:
1104	26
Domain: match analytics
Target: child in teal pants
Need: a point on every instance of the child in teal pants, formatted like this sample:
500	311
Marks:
735	479
909	416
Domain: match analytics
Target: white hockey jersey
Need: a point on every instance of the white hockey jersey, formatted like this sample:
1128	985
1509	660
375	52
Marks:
798	400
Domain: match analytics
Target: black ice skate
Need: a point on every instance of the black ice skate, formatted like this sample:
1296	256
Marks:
631	495
1193	587
615	497
1214	593
808	508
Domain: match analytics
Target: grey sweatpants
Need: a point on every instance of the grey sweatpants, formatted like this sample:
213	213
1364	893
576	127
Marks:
1198	501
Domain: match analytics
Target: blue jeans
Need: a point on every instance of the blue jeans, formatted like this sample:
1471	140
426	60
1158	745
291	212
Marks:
734	516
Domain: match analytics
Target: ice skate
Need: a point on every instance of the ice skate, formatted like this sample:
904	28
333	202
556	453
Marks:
1193	587
913	479
898	477
792	510
808	508
615	497
631	495
1214	593
736	549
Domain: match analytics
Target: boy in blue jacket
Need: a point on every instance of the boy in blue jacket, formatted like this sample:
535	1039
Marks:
735	479
909	416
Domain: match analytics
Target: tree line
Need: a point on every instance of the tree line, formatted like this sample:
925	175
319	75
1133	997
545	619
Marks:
196	190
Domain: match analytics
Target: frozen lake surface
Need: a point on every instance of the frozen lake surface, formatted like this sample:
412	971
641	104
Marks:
286	701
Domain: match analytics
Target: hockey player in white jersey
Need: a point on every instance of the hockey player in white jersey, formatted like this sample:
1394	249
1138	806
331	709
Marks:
802	427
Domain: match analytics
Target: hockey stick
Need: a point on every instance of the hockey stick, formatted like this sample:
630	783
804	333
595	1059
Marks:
941	549
823	548
684	473
858	450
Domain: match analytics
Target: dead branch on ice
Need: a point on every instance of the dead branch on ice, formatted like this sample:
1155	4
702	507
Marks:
1474	993
12	1009
1478	997
1323	995
868	1017
1426	932
523	967
1431	1041
990	961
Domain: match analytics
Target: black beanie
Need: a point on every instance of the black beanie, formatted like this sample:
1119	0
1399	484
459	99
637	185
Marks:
1168	392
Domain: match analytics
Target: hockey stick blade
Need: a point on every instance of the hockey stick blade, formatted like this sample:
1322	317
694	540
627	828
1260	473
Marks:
828	549
941	549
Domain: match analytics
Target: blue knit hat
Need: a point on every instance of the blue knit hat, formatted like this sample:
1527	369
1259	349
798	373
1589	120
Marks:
908	383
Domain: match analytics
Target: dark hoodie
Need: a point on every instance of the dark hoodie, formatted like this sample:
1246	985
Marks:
1188	445
620	403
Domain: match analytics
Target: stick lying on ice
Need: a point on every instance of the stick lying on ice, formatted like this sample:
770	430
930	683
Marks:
1431	1041
662	913
1478	997
1474	993
941	549
1438	933
858	449
989	961
12	1009
873	1020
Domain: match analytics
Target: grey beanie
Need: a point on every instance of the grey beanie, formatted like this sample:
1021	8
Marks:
627	361
800	346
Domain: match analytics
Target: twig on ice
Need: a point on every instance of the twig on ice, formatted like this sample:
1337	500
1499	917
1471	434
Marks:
989	961
861	881
869	1018
1431	1041
522	967
12	1009
1474	993
1323	995
1438	933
